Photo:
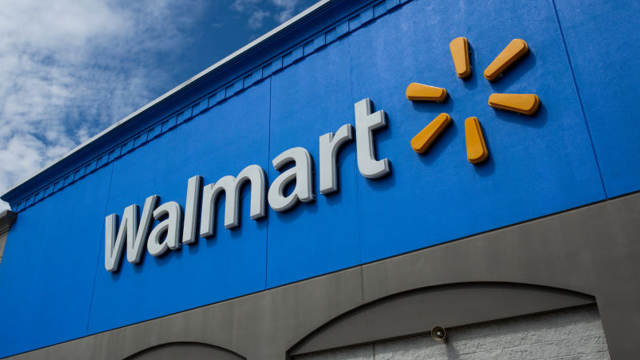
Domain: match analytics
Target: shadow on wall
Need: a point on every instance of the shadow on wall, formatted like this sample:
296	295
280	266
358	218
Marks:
185	351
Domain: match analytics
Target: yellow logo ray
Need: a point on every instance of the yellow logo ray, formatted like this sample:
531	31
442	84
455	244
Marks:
526	104
477	151
423	140
421	92
515	50
476	147
460	53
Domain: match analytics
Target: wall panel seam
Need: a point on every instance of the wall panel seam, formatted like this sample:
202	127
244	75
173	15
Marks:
577	89
266	255
95	274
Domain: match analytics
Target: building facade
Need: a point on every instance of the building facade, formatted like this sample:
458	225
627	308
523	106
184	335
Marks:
344	187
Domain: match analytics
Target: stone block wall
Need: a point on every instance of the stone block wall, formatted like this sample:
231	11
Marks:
570	334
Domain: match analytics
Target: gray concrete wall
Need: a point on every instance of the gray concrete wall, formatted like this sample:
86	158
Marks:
574	334
184	351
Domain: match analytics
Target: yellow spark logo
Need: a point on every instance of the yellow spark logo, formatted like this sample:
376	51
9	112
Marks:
477	152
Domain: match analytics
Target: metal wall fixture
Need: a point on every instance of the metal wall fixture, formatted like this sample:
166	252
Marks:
439	334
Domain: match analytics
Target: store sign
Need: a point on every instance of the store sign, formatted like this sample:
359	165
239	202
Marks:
174	230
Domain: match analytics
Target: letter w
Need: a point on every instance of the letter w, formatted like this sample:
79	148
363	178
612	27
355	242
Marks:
128	232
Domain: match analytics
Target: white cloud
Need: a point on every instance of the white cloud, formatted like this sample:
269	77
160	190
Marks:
257	18
286	9
69	68
258	10
244	5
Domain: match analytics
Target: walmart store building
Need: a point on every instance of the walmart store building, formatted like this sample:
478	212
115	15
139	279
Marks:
364	173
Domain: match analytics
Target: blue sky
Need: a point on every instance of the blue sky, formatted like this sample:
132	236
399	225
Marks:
70	68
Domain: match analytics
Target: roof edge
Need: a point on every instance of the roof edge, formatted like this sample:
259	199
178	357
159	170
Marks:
303	35
175	90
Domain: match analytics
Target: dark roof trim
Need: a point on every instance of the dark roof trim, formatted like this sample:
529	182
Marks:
7	218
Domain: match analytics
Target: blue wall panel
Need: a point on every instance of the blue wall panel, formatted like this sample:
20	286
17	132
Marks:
538	165
604	45
219	142
309	99
49	266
